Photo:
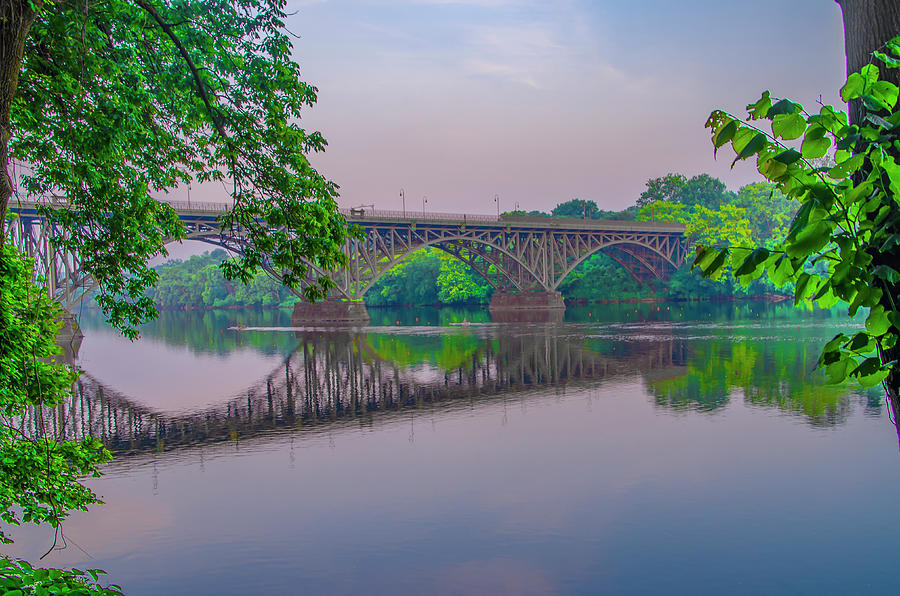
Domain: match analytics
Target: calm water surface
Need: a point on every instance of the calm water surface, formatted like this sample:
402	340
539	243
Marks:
632	449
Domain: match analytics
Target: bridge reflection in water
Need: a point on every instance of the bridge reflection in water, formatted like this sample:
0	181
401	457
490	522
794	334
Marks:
352	378
333	379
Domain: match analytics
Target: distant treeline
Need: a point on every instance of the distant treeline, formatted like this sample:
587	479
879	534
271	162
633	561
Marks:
755	215
198	281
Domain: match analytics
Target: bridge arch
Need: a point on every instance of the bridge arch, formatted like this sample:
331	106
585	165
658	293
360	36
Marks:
646	261
509	265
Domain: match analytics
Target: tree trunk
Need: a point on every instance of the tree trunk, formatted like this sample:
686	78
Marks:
868	24
16	18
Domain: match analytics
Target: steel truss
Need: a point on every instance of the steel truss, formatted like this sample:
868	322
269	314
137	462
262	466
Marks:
513	254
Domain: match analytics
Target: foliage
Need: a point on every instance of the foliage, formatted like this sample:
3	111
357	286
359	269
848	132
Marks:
576	208
38	474
18	577
413	281
702	189
757	214
848	217
199	281
664	188
118	101
458	284
601	278
581	209
429	276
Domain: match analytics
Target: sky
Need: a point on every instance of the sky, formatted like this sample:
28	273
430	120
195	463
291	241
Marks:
538	102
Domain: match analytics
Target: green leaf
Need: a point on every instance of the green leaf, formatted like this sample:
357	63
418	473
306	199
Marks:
854	87
800	289
725	134
847	167
815	143
754	145
870	74
867	367
886	93
889	61
887	273
808	240
836	372
704	257
761	108
716	268
873	379
753	261
877	322
784	270
834	343
788	157
783	106
789	126
861	342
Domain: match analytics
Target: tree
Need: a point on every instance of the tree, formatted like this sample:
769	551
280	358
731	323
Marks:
665	188
704	190
768	210
110	103
868	26
578	208
848	220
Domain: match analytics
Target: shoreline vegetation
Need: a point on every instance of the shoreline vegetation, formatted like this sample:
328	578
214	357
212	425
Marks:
757	214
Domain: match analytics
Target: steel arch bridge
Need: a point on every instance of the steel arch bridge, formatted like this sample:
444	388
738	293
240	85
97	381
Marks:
515	254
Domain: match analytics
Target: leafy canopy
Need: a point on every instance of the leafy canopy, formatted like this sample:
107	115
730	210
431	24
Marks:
848	223
119	101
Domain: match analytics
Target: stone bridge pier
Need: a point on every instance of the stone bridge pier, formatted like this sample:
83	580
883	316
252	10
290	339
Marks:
332	312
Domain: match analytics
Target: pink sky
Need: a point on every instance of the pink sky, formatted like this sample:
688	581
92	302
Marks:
540	102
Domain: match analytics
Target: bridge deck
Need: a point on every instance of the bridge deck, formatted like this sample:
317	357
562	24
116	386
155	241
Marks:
209	211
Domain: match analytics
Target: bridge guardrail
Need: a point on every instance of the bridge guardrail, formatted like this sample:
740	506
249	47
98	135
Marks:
417	215
194	206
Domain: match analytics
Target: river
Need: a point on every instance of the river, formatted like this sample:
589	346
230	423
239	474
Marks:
632	449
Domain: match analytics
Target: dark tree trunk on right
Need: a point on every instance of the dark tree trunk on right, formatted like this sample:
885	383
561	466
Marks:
868	25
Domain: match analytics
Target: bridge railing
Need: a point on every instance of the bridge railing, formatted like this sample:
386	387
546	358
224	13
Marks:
195	206
58	201
417	215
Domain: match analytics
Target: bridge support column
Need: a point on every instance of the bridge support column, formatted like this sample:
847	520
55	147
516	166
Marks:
527	307
329	312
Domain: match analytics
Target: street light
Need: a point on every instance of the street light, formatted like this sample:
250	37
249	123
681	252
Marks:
403	199
424	202
497	200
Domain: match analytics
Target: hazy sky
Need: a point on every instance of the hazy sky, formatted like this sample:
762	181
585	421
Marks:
541	101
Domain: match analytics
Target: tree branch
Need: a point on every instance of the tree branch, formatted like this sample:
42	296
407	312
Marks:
195	73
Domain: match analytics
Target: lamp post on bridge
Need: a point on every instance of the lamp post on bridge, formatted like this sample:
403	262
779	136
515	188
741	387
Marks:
497	200
403	200
424	202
